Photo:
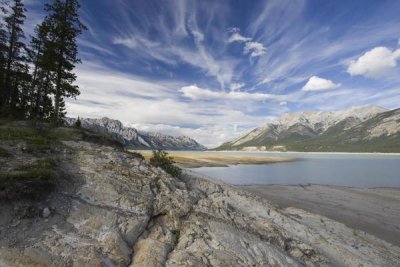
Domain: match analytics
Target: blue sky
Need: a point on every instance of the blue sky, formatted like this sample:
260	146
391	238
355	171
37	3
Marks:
214	69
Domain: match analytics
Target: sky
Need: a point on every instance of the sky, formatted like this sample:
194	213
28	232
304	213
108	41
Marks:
212	70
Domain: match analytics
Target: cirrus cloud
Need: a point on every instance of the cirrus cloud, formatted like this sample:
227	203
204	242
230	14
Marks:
255	49
196	93
237	37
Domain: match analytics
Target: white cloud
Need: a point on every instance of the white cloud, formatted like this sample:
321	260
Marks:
255	49
196	93
316	83
236	86
283	103
158	106
378	62
237	37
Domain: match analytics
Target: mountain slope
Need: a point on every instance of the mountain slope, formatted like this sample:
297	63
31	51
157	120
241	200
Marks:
131	137
358	129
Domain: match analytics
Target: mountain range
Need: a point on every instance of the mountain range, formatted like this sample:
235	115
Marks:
357	129
134	138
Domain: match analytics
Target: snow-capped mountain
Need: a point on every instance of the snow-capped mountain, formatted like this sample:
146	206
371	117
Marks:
137	139
307	131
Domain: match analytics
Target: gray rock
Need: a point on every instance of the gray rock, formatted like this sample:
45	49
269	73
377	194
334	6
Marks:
46	213
118	215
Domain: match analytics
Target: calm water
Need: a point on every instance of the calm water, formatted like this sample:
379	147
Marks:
366	170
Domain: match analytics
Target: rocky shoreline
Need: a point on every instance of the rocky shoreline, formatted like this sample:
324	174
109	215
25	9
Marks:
373	210
111	208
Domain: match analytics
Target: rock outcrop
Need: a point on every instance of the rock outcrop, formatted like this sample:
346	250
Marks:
111	208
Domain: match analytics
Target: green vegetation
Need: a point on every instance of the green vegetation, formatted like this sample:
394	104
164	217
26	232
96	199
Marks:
37	75
136	154
35	147
36	139
30	181
78	123
161	159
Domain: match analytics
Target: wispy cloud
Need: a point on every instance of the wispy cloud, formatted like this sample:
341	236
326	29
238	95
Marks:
237	37
173	66
196	93
254	49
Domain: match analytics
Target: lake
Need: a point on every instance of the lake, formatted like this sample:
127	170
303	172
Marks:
355	170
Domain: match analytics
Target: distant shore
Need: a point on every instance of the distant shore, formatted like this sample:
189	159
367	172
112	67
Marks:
196	160
373	210
308	152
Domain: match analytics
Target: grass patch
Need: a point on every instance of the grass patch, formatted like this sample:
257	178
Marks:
38	138
10	134
31	181
66	133
100	139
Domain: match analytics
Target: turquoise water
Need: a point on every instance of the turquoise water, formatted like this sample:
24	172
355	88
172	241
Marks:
355	170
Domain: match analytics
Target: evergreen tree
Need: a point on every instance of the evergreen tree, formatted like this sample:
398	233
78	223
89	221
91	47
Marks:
3	49
14	71
78	123
40	57
64	28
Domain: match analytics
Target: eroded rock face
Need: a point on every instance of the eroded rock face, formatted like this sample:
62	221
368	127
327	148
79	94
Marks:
116	210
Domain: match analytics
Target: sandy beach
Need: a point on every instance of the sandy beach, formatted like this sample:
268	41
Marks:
196	160
375	211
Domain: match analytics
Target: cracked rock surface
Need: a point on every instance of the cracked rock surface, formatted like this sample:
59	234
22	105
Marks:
113	209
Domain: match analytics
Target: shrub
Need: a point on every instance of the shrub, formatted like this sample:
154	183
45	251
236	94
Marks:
161	159
136	154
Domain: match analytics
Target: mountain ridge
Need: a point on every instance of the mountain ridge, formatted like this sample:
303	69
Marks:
357	129
131	137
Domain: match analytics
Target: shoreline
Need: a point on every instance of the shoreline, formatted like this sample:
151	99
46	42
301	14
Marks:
315	184
308	152
372	210
276	152
197	160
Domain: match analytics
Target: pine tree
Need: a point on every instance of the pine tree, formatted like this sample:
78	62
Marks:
3	50
15	59
40	57
64	28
